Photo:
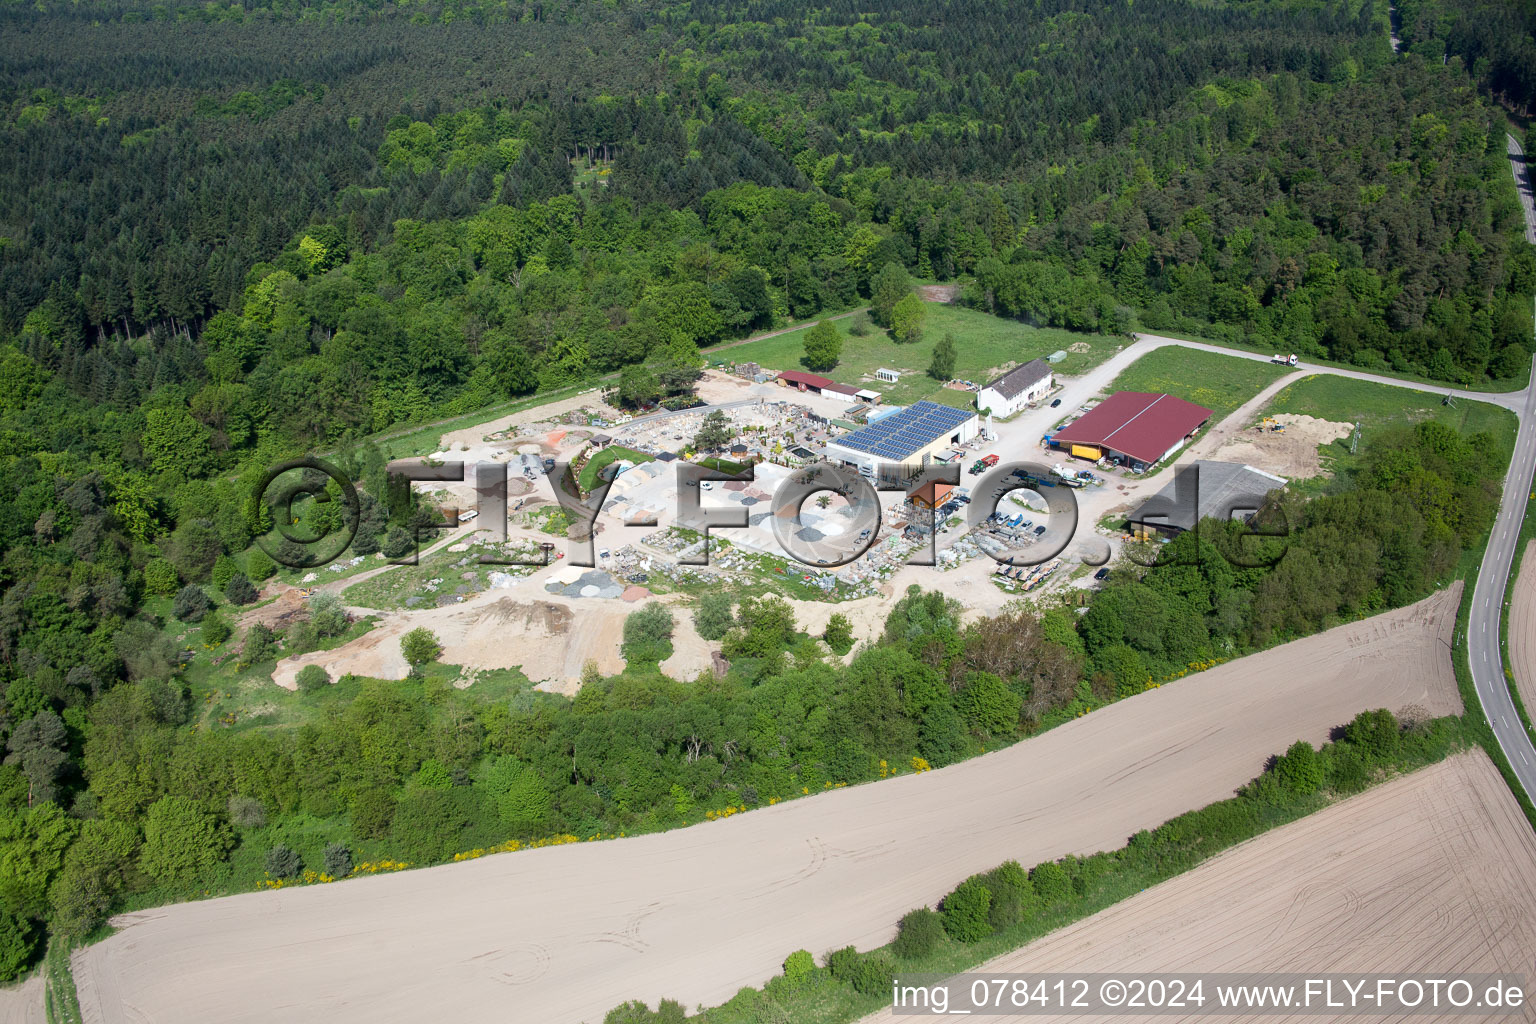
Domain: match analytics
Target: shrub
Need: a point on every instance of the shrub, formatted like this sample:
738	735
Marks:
260	644
337	860
365	543
160	577
1300	769
428	823
419	647
312	678
259	565
373	812
247	812
18	945
668	1011
1050	882
918	934
216	630
1374	734
191	603
799	965
181	839
224	570
869	974
989	705
1012	894
397	543
282	862
327	615
965	911
240	591
839	634
648	633
715	615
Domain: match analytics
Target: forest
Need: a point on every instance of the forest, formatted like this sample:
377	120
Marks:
230	234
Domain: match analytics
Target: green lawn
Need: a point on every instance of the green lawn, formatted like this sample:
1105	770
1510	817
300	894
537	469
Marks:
587	478
1220	383
984	343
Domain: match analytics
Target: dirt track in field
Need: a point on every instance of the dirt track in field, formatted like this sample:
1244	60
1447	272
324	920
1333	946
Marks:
1522	629
23	1004
1433	872
563	934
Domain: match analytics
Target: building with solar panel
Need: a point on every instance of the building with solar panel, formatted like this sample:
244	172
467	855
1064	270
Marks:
909	437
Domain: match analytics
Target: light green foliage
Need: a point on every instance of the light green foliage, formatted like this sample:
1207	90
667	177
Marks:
965	912
906	319
419	646
918	934
224	569
216	629
799	966
763	629
258	565
1300	768
890	286
522	800
988	705
181	840
20	943
1050	882
160	577
823	345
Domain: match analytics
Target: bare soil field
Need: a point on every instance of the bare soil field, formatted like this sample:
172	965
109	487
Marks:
1522	629
1431	872
563	934
1291	453
23	1004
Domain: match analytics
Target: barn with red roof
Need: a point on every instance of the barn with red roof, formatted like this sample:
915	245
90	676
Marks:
1137	426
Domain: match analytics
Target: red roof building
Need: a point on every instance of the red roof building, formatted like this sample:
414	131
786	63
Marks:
803	381
1142	426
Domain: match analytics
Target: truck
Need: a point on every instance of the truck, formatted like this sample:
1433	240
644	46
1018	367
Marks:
1289	360
983	464
1030	478
1069	476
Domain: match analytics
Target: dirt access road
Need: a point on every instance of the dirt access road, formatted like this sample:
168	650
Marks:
563	934
1434	872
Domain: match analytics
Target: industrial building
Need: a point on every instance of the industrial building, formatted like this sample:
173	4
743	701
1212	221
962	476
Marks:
1137	428
811	382
910	437
1204	490
1017	388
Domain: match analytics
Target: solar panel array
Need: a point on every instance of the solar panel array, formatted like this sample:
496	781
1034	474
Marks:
901	434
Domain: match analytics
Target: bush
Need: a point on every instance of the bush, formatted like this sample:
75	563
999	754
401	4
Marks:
260	644
419	647
240	591
648	633
337	860
397	543
312	678
216	630
799	965
669	1011
869	974
715	615
988	705
224	570
839	634
327	615
918	934
247	812
181	839
259	565
965	911
1374	733
1012	894
1300	769
373	812
19	941
283	863
428	823
160	577
1051	883
191	603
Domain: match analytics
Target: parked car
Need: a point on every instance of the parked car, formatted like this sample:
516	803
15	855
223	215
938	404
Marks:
1055	402
1039	529
1102	573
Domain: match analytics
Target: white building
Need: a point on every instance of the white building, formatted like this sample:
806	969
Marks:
1016	388
909	437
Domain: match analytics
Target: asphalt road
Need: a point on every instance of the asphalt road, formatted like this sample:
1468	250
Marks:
1485	645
